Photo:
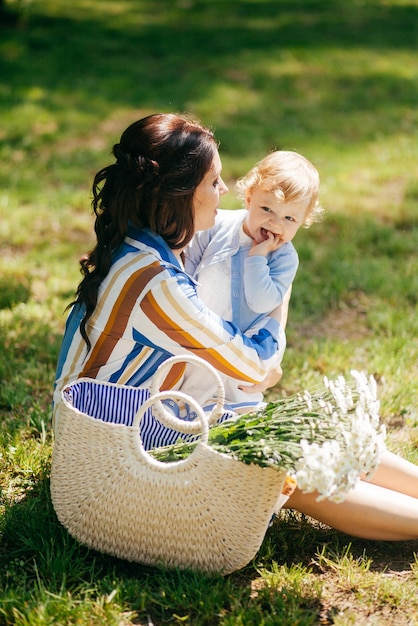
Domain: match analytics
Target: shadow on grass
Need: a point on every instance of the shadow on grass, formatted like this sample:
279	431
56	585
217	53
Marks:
37	554
99	62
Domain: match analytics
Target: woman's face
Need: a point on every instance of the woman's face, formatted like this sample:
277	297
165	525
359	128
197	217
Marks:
207	196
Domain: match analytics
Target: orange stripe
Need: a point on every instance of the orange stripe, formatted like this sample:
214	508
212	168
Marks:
118	319
215	338
152	309
174	375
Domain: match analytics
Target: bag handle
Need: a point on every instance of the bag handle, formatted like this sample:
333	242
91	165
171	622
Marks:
192	428
174	422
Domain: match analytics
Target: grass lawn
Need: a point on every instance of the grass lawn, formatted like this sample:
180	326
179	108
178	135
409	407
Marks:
336	81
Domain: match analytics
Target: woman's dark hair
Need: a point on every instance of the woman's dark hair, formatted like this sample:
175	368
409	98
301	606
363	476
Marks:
160	160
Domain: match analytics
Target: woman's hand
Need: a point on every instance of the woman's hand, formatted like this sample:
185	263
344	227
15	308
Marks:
270	380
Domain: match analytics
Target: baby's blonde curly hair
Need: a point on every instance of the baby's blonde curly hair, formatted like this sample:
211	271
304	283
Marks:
290	176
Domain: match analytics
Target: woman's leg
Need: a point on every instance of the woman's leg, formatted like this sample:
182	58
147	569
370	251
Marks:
396	473
385	508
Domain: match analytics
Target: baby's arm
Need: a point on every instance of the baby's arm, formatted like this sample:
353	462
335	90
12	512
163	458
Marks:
206	242
194	251
267	278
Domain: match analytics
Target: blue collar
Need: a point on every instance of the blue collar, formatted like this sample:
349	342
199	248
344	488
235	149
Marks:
147	237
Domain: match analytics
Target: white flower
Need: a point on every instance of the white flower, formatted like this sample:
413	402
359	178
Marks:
308	400
327	440
355	448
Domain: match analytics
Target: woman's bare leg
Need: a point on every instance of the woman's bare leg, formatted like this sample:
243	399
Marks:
396	473
385	508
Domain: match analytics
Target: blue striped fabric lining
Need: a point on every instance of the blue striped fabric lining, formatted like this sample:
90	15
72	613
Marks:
118	404
109	403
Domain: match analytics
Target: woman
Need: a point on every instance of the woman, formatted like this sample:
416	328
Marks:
136	306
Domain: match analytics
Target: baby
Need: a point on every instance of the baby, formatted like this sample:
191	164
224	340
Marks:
246	263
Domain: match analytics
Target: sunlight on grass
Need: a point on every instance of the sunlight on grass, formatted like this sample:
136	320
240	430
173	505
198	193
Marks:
336	82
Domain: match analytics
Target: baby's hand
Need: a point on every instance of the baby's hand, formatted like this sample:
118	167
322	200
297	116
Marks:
272	243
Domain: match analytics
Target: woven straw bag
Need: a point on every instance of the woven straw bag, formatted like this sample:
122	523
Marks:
208	512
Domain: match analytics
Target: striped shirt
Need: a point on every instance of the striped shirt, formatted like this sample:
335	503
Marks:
148	310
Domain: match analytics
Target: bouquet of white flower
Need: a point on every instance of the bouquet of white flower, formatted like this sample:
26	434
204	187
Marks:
326	440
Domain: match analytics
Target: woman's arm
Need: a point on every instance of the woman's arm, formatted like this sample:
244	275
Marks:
171	316
275	374
280	313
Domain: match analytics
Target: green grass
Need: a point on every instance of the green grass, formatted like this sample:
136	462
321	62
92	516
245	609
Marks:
336	81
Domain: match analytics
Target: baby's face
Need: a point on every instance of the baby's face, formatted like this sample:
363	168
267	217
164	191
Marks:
268	214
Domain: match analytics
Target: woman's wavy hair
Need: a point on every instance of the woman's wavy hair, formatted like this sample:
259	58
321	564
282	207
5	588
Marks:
160	160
